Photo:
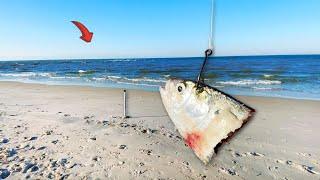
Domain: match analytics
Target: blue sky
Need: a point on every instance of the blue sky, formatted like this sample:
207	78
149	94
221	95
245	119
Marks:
41	29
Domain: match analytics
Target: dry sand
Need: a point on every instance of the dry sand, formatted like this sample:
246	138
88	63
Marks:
75	132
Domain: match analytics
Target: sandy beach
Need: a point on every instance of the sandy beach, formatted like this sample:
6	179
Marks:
74	132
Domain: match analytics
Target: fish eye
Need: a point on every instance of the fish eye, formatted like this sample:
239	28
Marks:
180	87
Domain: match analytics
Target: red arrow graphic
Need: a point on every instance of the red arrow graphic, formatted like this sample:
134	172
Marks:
86	34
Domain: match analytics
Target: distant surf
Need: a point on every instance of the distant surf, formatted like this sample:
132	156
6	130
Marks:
277	76
249	82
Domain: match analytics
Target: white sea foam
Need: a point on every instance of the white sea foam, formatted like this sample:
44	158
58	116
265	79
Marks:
249	82
64	77
267	75
146	80
262	88
99	79
26	74
139	84
114	78
118	78
82	71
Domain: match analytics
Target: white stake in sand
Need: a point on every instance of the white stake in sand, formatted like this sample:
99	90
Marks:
124	104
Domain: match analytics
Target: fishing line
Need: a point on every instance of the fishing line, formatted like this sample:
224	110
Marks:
212	24
210	50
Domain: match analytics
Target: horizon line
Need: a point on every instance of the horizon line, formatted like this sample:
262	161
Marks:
172	57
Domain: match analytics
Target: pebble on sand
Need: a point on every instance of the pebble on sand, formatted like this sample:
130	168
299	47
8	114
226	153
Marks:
11	152
123	146
4	173
96	158
5	140
63	161
54	142
41	148
34	168
33	138
27	166
49	132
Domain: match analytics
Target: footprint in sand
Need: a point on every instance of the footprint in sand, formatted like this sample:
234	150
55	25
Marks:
231	172
254	154
246	154
301	167
304	154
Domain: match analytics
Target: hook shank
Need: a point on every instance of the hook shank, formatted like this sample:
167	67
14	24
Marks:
208	53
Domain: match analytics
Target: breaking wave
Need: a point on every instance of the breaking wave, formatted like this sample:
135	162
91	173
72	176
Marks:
249	82
26	74
125	79
263	88
64	77
140	84
267	75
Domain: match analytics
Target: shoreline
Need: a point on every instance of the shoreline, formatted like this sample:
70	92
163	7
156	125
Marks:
56	131
146	90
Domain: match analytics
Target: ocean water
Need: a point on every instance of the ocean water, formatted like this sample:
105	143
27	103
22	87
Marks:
287	76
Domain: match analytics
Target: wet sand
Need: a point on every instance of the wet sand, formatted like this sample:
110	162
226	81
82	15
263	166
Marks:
77	132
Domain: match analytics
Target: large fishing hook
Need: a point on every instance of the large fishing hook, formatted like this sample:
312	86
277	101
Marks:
200	80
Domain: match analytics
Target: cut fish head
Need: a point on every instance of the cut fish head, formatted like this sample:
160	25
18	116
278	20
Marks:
204	116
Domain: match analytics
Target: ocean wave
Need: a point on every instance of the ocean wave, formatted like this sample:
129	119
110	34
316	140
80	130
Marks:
249	82
138	81
287	79
88	72
26	74
267	75
64	77
216	86
121	60
163	71
80	72
262	88
211	76
146	80
99	79
240	75
119	78
138	84
150	71
115	77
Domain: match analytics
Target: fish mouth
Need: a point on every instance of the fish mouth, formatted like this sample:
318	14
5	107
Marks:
162	89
